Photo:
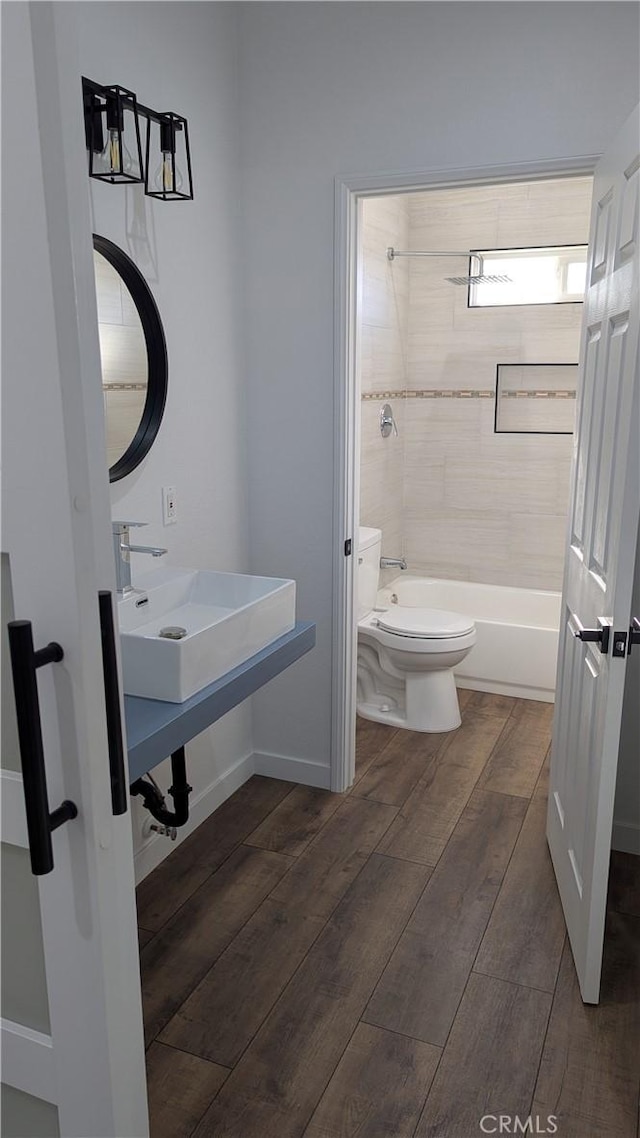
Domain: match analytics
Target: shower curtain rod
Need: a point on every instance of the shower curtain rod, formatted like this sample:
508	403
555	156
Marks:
393	253
475	259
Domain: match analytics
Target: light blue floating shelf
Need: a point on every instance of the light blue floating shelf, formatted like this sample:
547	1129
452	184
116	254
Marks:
155	729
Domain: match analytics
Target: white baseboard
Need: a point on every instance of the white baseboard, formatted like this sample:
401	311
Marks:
157	847
517	691
294	770
626	837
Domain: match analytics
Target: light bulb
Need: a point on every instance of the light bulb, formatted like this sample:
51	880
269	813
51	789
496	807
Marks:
163	177
115	158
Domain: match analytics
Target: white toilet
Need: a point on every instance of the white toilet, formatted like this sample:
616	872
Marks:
406	656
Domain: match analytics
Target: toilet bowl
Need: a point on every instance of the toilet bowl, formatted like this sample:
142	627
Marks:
406	656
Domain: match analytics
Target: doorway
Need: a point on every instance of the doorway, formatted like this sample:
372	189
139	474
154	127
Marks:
408	335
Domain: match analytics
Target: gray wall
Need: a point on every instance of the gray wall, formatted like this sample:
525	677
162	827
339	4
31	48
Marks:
183	57
370	88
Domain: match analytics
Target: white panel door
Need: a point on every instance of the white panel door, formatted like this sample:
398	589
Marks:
72	1042
598	583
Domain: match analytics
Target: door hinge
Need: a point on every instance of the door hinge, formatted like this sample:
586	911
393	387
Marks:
619	644
348	547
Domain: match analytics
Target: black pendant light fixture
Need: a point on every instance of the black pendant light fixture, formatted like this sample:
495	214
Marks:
168	159
112	132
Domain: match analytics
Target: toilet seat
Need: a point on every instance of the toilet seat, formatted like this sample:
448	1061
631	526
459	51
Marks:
424	624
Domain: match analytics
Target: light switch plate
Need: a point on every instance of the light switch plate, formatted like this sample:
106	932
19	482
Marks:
169	506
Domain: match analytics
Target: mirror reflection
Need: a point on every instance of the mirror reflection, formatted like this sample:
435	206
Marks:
123	352
133	351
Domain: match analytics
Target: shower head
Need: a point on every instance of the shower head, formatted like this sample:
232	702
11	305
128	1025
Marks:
472	278
479	278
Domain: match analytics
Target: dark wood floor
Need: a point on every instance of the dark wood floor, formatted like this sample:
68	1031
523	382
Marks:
388	962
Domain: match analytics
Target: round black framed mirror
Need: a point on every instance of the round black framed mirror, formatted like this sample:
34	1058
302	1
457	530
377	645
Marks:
133	353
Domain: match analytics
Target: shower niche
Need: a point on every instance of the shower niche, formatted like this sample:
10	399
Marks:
535	399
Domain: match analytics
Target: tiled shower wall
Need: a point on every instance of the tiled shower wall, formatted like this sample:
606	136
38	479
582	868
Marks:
384	335
475	505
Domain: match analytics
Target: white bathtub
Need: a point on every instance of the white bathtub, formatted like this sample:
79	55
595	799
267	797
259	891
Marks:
517	646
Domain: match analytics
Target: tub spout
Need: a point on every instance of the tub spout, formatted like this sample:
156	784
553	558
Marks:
393	563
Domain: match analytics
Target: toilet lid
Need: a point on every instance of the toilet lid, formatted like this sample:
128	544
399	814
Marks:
434	624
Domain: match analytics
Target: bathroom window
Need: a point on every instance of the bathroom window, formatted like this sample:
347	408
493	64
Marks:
547	275
538	399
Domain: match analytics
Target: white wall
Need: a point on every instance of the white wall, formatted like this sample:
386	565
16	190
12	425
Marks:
371	88
183	57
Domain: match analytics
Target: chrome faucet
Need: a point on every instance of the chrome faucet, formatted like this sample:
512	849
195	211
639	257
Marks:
122	549
393	563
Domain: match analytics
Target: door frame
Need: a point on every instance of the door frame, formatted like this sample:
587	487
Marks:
349	192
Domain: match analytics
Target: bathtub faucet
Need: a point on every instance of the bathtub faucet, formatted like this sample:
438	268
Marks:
393	563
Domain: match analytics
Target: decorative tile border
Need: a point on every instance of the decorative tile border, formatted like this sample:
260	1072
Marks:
463	393
124	386
373	395
538	395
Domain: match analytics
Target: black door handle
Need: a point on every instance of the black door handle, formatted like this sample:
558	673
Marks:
593	635
634	633
40	823
119	796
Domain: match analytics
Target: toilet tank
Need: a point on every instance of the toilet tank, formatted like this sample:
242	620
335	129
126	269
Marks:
369	546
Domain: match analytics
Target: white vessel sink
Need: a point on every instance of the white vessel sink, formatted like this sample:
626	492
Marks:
226	618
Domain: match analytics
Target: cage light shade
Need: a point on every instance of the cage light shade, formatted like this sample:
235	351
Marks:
168	159
112	129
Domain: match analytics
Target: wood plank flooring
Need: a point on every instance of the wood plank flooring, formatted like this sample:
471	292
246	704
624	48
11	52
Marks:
391	962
